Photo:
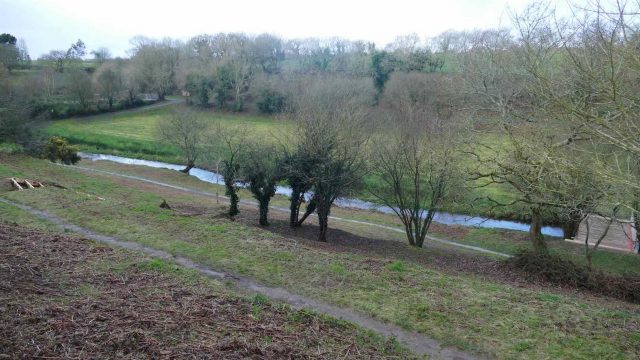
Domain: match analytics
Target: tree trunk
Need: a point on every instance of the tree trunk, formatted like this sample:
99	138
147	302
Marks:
132	98
421	233
311	207
188	167
264	210
233	198
410	236
323	222
110	103
570	228
296	201
323	218
535	232
589	256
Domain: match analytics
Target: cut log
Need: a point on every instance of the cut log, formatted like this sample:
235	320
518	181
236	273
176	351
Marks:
15	184
26	182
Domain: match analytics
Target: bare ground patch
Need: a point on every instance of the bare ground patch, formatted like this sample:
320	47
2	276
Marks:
64	297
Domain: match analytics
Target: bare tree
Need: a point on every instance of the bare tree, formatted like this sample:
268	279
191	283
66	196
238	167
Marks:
130	81
156	63
331	119
80	87
491	71
184	129
417	157
584	72
108	79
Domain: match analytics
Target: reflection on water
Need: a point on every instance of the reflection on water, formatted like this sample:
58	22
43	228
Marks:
440	217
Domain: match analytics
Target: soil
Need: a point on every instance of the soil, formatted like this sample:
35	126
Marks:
60	299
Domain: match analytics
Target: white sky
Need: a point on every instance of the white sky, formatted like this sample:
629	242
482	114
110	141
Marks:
55	24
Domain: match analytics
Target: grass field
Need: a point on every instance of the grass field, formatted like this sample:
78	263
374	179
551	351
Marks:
412	288
134	134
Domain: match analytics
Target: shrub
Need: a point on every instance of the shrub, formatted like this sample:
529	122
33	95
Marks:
559	270
58	148
271	102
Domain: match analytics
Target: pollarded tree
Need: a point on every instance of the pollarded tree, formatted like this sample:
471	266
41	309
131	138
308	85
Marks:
234	141
184	129
331	119
261	170
297	170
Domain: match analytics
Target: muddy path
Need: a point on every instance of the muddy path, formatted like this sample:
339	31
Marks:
415	342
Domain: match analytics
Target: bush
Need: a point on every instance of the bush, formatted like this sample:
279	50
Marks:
271	102
58	148
559	270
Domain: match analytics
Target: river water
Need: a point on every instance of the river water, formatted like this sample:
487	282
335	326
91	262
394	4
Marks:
440	217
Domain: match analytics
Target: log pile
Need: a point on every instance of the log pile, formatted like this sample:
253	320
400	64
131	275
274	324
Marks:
21	184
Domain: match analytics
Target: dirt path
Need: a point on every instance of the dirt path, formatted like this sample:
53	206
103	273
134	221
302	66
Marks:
414	341
277	208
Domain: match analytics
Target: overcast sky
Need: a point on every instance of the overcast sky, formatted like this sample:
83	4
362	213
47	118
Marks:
55	24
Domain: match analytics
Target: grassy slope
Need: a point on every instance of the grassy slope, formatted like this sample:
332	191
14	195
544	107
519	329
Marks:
499	240
92	301
467	311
